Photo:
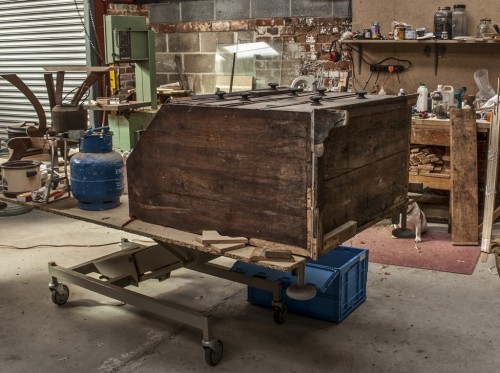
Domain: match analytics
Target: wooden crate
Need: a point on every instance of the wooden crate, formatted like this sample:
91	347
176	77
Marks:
277	169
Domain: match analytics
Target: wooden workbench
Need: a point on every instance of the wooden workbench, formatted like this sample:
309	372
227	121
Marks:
462	182
434	131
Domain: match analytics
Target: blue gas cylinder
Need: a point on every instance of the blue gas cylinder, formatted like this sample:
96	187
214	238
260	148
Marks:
97	174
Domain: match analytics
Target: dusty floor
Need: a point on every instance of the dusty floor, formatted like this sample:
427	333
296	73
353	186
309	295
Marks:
413	320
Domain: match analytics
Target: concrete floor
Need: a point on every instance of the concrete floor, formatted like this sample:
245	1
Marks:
413	320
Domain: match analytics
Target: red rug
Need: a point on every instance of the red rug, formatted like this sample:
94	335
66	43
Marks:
435	252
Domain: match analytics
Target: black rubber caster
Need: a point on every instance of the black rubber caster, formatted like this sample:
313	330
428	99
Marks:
213	357
58	298
280	314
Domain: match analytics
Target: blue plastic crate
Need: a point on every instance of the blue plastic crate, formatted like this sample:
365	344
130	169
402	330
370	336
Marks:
339	277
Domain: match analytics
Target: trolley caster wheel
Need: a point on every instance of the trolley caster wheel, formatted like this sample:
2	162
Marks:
280	314
60	298
214	356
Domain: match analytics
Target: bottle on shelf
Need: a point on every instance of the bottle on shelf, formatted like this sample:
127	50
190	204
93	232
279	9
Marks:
423	93
442	22
458	21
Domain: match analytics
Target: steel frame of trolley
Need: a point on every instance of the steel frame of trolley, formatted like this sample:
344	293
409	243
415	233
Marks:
136	263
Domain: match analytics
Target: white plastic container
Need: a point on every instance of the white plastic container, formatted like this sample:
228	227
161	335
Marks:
423	94
448	95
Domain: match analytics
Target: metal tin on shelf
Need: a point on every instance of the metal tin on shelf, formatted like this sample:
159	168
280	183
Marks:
410	34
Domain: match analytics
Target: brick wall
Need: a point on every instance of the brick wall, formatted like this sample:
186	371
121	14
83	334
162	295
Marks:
300	31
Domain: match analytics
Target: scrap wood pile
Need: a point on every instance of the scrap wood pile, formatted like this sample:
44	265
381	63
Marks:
430	161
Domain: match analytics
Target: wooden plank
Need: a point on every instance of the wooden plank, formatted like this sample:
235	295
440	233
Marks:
491	179
482	125
432	182
435	135
464	192
496	215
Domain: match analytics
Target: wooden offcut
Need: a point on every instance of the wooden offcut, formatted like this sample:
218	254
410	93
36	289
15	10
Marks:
263	253
222	248
464	193
213	237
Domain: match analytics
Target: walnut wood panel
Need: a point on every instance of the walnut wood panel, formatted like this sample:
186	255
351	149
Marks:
365	194
363	174
240	172
365	140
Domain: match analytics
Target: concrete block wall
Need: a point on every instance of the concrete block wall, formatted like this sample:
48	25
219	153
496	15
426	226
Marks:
170	11
301	31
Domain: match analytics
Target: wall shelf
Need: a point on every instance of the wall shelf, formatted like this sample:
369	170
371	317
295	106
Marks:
438	44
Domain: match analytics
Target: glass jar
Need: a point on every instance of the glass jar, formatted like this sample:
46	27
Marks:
442	21
459	21
439	107
485	27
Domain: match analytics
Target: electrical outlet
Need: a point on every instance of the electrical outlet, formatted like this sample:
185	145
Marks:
387	68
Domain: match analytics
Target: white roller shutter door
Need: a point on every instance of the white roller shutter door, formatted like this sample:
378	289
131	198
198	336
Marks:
36	33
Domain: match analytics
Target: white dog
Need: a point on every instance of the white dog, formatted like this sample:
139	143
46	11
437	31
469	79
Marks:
415	218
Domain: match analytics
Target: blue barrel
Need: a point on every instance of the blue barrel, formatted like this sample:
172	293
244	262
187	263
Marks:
97	174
